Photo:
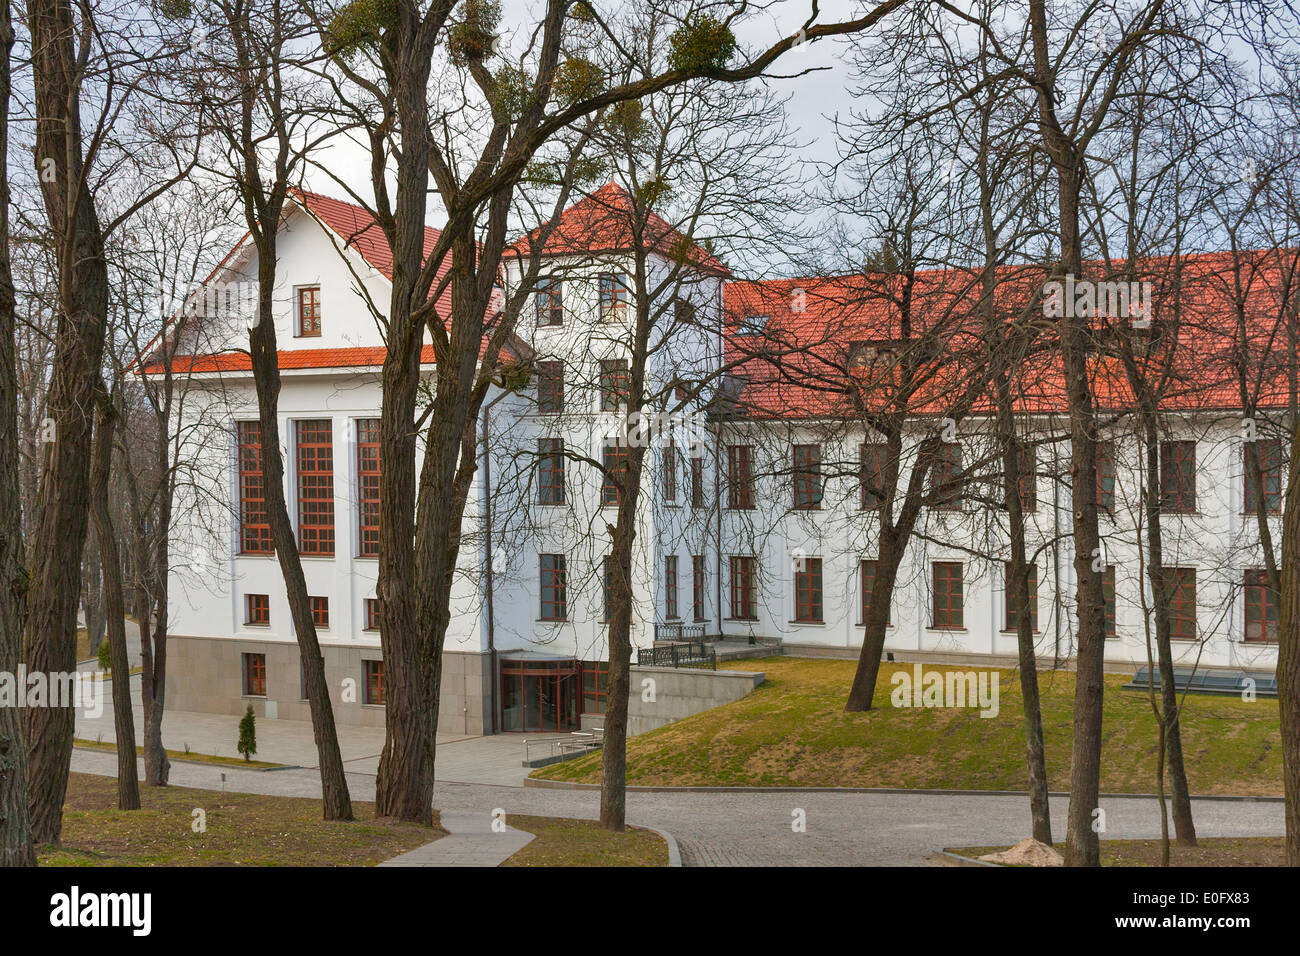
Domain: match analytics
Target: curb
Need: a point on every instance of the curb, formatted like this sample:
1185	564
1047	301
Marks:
958	860
570	785
674	853
196	763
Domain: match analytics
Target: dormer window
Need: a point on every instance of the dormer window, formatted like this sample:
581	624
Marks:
550	302
614	297
309	311
753	324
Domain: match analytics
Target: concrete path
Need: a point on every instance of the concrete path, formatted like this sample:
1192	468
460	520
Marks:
472	841
747	829
494	760
132	646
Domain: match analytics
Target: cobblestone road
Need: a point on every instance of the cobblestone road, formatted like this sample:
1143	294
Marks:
746	829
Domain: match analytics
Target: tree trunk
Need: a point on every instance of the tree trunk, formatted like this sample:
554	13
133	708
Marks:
888	557
404	786
128	781
1288	654
337	803
15	831
613	756
1082	848
1035	751
1184	829
61	526
153	647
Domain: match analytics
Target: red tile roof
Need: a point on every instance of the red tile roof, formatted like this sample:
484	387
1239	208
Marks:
241	361
357	229
360	231
799	366
605	221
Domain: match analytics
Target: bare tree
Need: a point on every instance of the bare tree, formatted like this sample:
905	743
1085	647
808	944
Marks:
448	291
256	89
15	832
128	783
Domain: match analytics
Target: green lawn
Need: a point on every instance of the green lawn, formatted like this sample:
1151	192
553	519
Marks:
793	731
561	842
241	830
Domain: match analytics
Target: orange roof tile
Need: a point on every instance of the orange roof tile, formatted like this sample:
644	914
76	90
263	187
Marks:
799	365
605	221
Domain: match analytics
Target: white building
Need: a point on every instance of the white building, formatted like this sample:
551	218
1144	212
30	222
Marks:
782	561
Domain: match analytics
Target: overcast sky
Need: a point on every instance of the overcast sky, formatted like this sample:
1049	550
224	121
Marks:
815	97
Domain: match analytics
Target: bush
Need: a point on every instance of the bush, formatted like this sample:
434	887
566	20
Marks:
248	734
105	656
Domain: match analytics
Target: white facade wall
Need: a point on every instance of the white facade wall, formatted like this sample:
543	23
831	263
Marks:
210	578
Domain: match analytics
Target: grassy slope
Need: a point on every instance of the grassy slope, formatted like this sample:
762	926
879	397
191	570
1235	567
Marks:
584	843
242	830
793	731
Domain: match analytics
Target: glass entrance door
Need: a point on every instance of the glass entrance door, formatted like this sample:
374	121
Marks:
539	695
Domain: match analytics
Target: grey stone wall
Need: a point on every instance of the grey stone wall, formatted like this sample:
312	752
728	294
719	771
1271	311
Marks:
681	692
206	674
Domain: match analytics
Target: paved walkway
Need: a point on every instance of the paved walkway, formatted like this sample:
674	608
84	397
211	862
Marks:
495	760
473	840
746	829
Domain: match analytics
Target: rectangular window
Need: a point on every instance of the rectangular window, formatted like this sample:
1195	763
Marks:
615	384
1262	609
315	444
670	473
554	597
1180	585
698	578
808	590
945	477
309	311
613	297
550	387
948	603
550	302
807	477
614	473
595	686
1012	620
374	673
1028	480
742	589
368	487
867	583
320	611
1267	455
697	482
257	610
1106	476
872	458
740	476
1178	477
1108	598
550	471
670	586
254	526
374	614
254	675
